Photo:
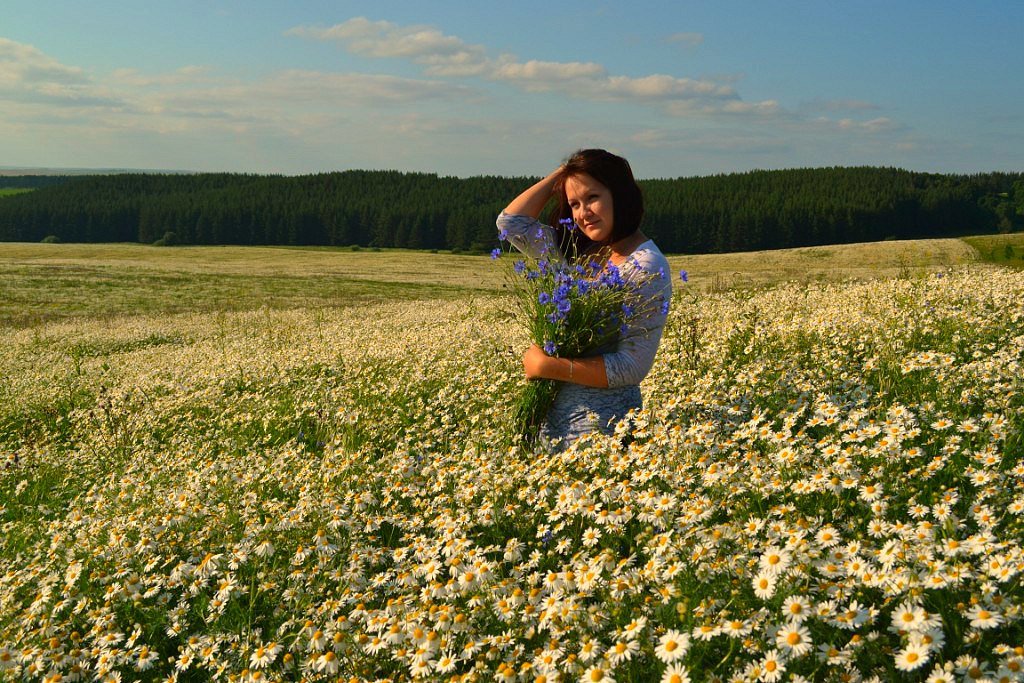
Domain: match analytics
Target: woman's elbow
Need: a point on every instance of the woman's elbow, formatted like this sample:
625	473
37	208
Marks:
504	225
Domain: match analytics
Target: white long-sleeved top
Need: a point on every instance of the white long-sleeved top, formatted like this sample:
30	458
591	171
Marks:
633	357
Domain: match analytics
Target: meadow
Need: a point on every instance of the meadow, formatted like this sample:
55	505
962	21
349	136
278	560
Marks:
253	464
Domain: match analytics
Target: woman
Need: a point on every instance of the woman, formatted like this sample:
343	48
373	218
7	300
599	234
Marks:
595	189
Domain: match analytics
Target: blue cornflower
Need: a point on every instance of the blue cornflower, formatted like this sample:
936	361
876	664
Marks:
664	307
544	265
543	298
519	266
627	310
684	276
550	348
532	275
495	253
503	234
661	273
562	291
554	317
612	278
563	305
568	223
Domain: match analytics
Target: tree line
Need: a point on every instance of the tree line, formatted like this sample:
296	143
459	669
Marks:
721	213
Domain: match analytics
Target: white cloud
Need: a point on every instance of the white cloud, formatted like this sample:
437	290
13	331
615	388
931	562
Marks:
202	113
587	80
876	125
839	105
312	87
24	65
880	124
661	87
537	75
765	107
290	102
687	39
445	55
27	75
440	53
47	100
183	76
732	107
717	141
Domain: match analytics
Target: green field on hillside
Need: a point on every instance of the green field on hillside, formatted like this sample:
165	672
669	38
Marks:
1004	250
53	282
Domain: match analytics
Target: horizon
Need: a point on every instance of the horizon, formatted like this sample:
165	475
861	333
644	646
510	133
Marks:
680	90
19	171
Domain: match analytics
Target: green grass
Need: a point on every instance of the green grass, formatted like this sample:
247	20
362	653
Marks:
42	290
45	294
44	283
11	191
1002	250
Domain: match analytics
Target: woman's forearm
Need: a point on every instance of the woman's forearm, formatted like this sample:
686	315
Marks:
586	371
532	200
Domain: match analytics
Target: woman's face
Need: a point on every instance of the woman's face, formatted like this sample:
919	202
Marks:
591	204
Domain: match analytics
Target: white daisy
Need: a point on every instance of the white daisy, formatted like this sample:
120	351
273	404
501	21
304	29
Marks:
912	657
675	673
794	638
764	585
672	646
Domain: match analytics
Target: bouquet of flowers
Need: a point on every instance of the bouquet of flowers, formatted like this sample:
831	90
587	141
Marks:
572	309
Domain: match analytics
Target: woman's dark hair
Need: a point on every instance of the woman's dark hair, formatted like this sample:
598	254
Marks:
627	200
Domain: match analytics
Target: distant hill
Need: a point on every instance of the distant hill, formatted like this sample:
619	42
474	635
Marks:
6	171
722	213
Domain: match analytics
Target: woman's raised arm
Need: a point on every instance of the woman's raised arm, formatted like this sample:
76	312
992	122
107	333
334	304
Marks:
519	223
532	200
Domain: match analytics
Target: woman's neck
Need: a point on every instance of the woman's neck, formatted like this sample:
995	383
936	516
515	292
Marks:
620	251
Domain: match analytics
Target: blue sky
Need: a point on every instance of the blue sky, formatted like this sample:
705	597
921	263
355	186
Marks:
679	88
